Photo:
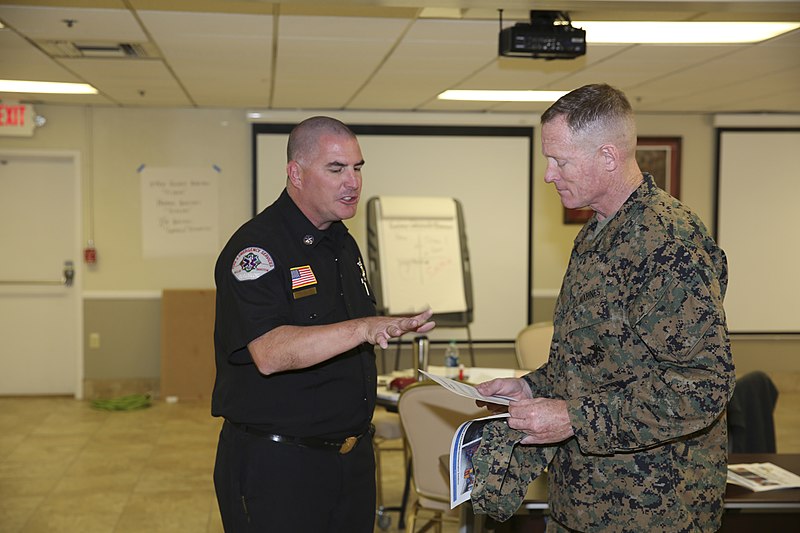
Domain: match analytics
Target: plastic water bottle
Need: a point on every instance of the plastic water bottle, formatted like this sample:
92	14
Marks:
451	360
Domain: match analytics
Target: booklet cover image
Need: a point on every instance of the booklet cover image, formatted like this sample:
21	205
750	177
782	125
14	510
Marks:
472	439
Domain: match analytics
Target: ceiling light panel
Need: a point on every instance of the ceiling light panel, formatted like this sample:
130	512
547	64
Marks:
640	32
45	87
501	96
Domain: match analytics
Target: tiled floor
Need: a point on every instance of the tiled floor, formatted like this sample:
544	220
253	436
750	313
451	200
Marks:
65	467
68	468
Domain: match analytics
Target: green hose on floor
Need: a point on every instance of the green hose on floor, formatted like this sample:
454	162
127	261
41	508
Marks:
123	403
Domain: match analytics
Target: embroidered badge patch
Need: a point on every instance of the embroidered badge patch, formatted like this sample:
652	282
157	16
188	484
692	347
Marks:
302	276
252	263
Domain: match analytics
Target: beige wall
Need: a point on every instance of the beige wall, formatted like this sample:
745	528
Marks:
129	332
114	142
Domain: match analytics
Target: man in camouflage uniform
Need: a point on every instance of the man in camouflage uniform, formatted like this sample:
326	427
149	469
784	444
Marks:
632	400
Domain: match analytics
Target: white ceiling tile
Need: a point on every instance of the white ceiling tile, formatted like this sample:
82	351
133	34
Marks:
752	94
21	61
422	66
218	53
357	29
115	25
323	61
206	53
131	81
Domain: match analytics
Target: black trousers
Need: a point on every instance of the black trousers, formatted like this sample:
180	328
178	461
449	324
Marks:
264	486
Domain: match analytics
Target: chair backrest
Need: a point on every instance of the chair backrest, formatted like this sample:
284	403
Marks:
532	345
430	415
751	425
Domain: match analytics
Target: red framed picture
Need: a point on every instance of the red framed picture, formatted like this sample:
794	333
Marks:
661	157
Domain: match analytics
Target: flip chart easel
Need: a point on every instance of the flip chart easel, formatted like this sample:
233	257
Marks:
418	258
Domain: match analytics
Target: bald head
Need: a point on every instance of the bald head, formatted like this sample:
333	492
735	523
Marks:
304	138
323	174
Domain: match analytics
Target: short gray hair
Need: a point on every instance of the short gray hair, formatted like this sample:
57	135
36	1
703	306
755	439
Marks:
594	108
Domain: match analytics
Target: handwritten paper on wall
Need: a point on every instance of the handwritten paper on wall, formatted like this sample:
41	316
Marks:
179	211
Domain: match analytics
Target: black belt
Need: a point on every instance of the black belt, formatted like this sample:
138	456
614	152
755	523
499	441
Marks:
342	446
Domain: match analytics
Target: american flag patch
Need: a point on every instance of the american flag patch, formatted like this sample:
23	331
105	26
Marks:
302	276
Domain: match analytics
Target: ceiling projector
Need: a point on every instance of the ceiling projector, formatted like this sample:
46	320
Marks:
550	35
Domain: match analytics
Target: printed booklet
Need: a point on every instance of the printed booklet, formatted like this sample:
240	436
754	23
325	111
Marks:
465	443
466	439
759	477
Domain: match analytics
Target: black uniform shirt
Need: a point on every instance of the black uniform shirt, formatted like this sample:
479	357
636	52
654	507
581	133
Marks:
278	269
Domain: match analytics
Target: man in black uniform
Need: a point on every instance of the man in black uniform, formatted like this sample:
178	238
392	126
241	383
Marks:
294	335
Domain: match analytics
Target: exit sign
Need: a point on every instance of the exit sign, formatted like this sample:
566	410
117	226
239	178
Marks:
16	119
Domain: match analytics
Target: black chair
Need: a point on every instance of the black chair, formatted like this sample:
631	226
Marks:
751	427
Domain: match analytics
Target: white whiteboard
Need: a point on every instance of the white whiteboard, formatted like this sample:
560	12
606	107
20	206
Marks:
487	169
419	249
757	227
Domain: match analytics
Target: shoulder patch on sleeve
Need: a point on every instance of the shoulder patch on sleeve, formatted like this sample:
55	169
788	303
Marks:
252	263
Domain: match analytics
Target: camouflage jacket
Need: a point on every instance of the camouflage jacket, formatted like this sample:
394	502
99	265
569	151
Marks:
504	468
642	356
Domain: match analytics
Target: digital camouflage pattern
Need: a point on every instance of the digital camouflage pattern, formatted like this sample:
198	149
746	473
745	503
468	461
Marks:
642	356
504	469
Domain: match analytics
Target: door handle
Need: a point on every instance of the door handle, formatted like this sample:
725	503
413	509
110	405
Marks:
67	278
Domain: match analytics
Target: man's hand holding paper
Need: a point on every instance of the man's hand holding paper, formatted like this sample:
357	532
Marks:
467	390
544	420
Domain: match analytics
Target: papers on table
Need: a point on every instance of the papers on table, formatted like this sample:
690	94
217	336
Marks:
759	477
